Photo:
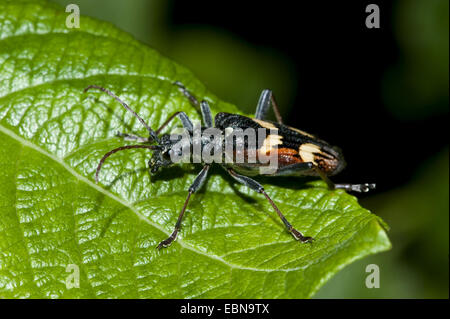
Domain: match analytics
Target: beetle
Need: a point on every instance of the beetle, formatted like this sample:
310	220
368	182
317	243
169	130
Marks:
298	153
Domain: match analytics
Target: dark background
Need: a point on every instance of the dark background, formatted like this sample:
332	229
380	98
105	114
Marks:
338	63
379	94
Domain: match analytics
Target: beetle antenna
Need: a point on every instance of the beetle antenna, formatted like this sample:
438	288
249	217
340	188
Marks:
125	105
99	166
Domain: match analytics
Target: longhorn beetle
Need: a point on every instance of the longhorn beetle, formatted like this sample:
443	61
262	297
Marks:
298	153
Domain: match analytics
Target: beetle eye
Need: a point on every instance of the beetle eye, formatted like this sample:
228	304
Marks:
166	156
154	169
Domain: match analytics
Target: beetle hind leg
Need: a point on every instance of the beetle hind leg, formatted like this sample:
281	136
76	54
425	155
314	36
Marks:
251	183
265	100
359	188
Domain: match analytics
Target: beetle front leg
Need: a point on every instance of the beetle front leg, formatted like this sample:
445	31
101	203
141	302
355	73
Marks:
187	94
204	106
187	124
196	185
258	188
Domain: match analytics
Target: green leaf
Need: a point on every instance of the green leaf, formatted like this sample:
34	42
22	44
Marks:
52	214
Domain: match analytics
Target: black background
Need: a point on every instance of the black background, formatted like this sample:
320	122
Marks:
339	93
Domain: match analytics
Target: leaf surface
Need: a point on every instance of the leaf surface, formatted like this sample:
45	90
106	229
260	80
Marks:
52	214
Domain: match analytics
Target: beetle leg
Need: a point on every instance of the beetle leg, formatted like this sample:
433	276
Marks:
206	114
187	94
265	100
204	106
187	124
258	188
197	184
263	105
294	169
360	188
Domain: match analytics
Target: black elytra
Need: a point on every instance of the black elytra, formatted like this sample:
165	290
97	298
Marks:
298	153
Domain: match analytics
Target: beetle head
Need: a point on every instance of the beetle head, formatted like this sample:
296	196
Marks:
162	155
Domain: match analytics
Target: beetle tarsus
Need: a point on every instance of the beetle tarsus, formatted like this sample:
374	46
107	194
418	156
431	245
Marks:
299	236
368	187
167	242
359	188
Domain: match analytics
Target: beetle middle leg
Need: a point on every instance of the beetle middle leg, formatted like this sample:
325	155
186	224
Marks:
258	188
196	185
